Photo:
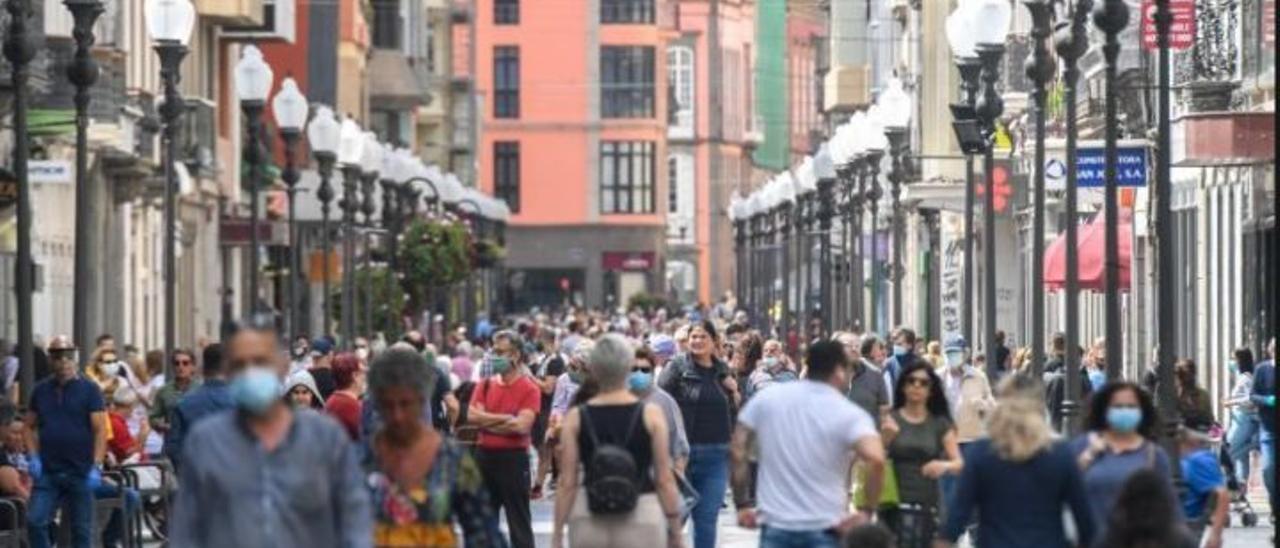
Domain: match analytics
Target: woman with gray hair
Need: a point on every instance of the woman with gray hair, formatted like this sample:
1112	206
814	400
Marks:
421	481
615	425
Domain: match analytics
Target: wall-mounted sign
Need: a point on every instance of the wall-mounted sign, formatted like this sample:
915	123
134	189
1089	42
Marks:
1091	167
1182	29
629	261
50	171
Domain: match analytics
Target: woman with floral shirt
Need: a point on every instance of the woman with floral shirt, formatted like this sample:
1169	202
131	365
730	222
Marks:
422	483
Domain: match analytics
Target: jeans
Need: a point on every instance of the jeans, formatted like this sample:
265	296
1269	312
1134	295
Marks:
708	472
1267	443
1242	438
66	489
772	537
113	535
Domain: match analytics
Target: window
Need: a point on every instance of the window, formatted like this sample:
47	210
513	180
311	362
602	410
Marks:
506	12
506	173
626	177
626	86
391	126
680	81
673	189
506	82
387	24
626	11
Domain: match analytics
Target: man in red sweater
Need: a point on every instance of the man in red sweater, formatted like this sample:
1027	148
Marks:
504	407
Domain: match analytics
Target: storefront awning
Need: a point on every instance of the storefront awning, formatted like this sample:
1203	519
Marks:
1091	255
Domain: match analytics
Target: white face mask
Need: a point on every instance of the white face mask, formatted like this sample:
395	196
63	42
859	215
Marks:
955	359
112	369
362	353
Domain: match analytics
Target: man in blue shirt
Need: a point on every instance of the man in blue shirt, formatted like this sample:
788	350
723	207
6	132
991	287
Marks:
1205	500
211	397
68	420
1264	396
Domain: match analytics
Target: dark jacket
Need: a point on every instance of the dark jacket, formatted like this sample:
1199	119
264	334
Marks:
1019	503
209	398
1264	391
1055	388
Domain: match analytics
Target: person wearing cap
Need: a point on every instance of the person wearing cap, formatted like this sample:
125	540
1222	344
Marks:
968	390
68	421
321	366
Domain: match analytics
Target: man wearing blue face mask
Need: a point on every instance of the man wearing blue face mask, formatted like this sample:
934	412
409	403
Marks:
263	474
904	344
641	384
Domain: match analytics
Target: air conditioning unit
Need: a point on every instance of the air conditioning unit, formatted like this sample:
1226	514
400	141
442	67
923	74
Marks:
279	22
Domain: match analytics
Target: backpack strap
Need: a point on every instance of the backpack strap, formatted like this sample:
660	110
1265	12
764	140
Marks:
635	418
588	427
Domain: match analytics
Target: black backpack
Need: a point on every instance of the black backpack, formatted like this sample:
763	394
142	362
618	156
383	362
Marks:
612	486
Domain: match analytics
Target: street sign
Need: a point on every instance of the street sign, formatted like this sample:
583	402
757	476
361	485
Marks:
1182	29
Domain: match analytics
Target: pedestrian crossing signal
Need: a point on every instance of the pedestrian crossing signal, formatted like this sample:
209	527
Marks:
1003	186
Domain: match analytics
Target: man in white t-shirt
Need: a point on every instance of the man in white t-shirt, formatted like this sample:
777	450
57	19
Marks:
807	434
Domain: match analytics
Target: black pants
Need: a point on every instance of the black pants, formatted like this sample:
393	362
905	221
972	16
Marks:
506	475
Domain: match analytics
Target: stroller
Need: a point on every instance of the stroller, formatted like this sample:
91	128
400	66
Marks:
1238	493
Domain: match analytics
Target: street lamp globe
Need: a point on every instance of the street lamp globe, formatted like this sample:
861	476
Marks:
289	106
789	185
371	153
253	76
990	21
959	29
805	180
324	132
350	143
875	141
895	105
170	20
451	189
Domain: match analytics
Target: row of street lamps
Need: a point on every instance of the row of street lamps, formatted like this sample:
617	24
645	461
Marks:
365	163
977	30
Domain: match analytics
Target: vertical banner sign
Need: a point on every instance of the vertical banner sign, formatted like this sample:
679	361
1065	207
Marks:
1182	30
952	277
1269	22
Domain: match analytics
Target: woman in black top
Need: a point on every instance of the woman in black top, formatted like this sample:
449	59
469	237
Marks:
615	417
707	394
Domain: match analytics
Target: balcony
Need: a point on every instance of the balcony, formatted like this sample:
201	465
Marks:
243	13
199	138
846	88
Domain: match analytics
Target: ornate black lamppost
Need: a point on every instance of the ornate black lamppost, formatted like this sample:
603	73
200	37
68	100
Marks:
82	73
1163	191
894	107
994	16
324	135
19	49
253	84
1040	69
1071	41
290	109
170	23
964	52
783	214
367	207
1111	17
873	153
350	156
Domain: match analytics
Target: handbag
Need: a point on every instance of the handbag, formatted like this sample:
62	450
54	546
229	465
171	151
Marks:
888	490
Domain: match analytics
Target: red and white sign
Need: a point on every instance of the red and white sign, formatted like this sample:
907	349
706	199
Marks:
629	261
1182	29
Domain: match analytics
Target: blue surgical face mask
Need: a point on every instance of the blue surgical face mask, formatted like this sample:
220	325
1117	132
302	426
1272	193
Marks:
639	381
769	363
256	388
1233	367
900	350
1124	419
955	359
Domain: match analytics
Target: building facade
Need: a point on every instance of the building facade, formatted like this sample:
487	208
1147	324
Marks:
573	104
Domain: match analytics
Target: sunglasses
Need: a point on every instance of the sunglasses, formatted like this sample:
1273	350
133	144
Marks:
921	382
183	362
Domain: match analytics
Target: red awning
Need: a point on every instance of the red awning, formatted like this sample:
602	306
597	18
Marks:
1091	255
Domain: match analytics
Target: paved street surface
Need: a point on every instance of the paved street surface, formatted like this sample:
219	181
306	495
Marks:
732	536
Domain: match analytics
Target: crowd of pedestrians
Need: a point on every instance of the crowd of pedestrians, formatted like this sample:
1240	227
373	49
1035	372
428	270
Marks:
642	427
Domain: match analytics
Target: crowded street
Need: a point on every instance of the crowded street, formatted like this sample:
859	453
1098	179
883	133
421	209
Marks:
638	274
